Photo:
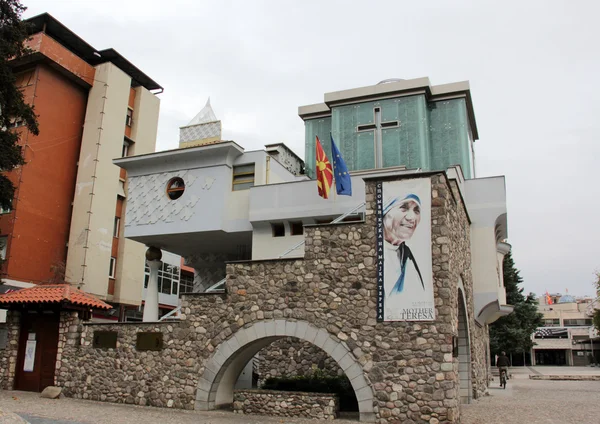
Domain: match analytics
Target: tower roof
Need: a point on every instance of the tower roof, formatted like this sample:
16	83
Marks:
205	116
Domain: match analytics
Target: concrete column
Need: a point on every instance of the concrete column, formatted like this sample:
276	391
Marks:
153	257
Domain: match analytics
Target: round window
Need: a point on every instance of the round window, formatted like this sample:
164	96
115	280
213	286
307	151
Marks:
175	188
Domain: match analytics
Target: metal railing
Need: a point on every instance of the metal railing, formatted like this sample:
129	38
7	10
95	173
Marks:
215	287
335	221
170	314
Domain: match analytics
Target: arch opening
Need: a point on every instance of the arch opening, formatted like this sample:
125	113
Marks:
221	370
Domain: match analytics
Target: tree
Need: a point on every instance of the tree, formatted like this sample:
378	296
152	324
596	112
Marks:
512	333
13	109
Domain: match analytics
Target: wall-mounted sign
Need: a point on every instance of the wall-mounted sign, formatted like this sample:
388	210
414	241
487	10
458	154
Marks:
29	356
404	263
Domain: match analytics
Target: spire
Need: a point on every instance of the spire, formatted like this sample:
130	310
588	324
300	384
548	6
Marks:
204	116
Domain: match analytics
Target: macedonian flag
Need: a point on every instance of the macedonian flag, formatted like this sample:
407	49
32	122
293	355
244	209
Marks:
324	172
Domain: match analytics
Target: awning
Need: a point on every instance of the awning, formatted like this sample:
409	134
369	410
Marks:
493	311
63	295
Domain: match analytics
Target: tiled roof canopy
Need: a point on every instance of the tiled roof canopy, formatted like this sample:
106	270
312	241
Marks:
63	294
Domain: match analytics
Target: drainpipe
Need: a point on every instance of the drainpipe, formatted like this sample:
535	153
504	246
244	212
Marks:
268	169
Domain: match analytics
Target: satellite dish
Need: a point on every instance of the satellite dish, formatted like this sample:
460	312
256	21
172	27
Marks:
387	81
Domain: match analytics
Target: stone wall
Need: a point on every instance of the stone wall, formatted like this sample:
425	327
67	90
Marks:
165	378
401	371
291	356
480	341
318	406
8	355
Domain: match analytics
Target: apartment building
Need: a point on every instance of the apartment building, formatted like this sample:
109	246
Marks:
66	222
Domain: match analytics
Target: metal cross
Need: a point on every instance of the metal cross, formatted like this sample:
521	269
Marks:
376	127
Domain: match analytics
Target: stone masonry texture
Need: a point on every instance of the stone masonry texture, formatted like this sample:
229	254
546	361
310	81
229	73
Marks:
319	406
410	372
291	356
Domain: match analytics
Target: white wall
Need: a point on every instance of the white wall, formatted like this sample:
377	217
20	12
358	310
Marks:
106	109
265	246
131	257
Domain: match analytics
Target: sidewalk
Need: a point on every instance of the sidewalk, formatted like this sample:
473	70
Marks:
536	402
73	411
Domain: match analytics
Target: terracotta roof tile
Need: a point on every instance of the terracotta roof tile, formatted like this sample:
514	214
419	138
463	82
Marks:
52	293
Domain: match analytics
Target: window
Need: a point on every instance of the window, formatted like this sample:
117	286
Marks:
186	283
296	228
113	265
129	119
278	229
125	151
175	188
3	244
16	122
583	322
116	227
243	177
3	210
168	278
552	322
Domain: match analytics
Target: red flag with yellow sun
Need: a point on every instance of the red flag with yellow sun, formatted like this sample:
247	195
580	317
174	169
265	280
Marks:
324	172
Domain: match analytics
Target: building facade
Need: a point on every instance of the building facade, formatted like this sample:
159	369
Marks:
568	336
69	207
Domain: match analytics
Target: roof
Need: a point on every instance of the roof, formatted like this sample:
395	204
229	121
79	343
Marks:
205	116
48	24
393	88
63	294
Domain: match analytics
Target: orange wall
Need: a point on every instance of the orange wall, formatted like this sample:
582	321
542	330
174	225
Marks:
40	220
50	48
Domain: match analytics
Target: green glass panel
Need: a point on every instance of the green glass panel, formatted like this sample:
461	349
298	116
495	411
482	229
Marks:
407	144
449	136
357	148
365	151
315	127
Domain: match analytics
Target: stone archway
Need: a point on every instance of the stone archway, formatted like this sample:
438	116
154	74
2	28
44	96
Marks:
221	370
464	349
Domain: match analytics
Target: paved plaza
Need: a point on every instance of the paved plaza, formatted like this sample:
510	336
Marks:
523	401
538	401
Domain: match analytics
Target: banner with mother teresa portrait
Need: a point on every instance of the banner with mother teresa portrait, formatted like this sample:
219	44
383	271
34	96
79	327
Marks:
404	265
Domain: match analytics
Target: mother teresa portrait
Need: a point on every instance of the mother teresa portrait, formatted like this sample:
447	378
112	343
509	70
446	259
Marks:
407	250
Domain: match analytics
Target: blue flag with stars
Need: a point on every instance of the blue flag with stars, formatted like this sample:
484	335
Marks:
343	183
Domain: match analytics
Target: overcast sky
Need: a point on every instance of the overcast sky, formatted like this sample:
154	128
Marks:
533	67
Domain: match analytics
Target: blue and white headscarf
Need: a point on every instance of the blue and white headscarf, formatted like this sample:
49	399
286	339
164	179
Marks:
396	200
404	252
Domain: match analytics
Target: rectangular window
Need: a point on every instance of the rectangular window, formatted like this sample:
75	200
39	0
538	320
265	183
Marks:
116	227
168	278
186	283
278	229
578	322
113	266
129	119
296	228
3	244
552	322
125	151
3	210
243	177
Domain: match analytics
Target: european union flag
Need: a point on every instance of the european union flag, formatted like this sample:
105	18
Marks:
343	183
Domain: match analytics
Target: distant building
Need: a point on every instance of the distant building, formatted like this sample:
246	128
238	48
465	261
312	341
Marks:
567	337
69	207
